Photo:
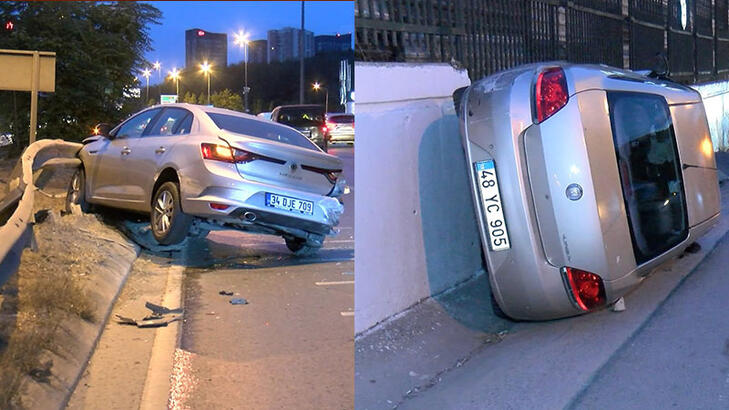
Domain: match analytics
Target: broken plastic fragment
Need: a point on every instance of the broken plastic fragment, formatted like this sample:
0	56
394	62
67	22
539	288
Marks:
238	301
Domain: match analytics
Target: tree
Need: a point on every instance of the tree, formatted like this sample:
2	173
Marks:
98	48
226	99
189	98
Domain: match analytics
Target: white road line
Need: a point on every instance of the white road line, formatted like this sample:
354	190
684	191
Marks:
341	282
346	313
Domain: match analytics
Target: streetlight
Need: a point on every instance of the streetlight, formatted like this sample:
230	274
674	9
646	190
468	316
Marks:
158	66
175	75
317	87
205	68
146	73
241	39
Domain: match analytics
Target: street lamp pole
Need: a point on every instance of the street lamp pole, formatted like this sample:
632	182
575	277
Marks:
146	73
318	87
241	39
205	68
246	89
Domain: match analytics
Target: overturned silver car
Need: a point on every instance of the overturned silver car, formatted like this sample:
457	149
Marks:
584	179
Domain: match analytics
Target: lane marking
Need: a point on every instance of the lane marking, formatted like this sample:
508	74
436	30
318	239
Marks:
340	282
346	313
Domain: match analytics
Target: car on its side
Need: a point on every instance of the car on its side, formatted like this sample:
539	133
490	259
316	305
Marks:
341	127
585	178
182	163
308	119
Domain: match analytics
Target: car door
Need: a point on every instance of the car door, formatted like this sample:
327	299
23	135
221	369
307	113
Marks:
109	180
153	150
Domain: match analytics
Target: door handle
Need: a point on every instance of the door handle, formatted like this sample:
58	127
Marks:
160	150
126	151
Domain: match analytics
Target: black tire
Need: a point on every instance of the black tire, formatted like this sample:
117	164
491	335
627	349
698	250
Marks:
76	193
169	224
496	308
299	248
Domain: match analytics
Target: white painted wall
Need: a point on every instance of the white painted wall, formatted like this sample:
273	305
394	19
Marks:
716	103
416	230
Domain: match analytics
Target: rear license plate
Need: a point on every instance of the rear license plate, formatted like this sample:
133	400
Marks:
290	204
491	203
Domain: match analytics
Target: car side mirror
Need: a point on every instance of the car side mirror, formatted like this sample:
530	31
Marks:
102	129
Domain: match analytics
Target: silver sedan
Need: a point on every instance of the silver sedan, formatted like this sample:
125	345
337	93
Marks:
584	178
185	163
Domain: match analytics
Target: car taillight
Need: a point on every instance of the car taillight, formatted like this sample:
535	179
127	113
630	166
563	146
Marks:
226	154
324	129
586	288
332	177
551	92
330	174
219	207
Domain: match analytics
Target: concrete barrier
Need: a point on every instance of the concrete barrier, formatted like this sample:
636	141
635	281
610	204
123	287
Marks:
416	230
716	103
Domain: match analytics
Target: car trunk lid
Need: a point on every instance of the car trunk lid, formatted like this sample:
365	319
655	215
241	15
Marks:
285	165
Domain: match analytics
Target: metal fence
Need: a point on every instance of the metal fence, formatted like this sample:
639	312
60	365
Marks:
486	36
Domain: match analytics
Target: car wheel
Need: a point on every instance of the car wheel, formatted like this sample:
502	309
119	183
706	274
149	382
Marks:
169	224
76	194
299	248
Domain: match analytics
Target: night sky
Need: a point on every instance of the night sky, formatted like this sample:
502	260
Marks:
254	17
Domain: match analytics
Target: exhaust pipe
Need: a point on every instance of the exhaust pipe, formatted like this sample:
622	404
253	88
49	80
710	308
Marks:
249	216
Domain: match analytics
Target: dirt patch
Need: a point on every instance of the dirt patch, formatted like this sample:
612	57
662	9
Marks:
51	310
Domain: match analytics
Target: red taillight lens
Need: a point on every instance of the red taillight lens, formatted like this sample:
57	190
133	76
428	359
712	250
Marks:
324	129
226	154
587	288
551	92
219	207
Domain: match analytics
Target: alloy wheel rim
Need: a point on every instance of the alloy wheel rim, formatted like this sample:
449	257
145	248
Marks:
163	211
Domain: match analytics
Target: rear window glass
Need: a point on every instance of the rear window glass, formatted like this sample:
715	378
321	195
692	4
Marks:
650	172
301	116
261	129
341	119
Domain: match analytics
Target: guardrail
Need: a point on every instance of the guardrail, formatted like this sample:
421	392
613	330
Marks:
35	164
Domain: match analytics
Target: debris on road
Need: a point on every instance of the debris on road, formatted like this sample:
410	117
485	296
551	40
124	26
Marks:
225	293
618	306
42	373
161	316
238	301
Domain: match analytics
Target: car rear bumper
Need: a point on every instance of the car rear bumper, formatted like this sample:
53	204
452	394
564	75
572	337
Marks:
241	196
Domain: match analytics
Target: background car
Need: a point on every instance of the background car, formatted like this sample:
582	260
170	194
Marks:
183	162
308	119
584	179
340	127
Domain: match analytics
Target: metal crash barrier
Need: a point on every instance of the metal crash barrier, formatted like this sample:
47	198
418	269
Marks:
16	209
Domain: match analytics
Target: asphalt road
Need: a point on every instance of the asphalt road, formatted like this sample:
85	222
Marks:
292	345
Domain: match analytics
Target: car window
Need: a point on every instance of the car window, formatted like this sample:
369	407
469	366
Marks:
261	129
135	126
650	172
298	117
341	119
171	122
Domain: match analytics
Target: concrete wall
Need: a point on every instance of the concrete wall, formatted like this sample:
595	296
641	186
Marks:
416	229
716	103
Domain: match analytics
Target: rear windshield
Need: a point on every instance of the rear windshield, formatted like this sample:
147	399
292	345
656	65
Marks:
261	129
341	119
301	116
650	172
